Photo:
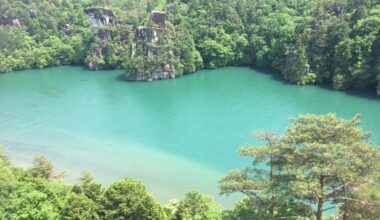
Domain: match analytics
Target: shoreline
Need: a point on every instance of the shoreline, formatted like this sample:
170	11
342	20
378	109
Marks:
162	186
360	92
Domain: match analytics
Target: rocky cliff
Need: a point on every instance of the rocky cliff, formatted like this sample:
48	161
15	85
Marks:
378	88
154	51
109	39
100	16
153	56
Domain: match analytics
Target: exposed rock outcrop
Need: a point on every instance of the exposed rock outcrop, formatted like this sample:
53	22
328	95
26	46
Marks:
100	16
68	30
103	21
147	53
96	60
150	36
16	23
159	18
32	13
378	88
152	53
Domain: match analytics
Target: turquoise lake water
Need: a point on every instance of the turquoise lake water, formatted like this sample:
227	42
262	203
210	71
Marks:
174	135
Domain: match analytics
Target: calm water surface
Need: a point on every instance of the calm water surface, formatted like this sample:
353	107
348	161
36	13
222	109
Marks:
173	135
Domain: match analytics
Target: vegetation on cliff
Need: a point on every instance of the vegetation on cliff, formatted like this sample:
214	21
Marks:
319	163
334	41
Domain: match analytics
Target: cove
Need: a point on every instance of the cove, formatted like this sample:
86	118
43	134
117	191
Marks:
174	135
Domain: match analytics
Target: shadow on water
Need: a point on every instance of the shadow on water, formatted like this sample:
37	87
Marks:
368	93
120	78
275	75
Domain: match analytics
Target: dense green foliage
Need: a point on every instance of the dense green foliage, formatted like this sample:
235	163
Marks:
325	160
196	206
321	160
335	41
24	195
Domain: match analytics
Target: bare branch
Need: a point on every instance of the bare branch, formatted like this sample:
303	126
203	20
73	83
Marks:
356	200
337	188
333	207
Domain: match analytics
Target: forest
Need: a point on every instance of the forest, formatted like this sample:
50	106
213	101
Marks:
335	42
321	164
320	167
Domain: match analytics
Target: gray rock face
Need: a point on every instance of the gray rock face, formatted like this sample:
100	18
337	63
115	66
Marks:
93	63
159	18
100	17
67	30
158	74
32	13
378	88
151	37
16	23
152	56
152	52
103	11
155	61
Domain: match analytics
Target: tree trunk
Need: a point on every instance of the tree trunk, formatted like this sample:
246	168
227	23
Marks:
345	215
273	204
345	211
320	207
272	207
320	198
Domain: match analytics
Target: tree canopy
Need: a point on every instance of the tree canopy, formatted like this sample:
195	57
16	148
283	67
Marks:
306	41
320	163
320	159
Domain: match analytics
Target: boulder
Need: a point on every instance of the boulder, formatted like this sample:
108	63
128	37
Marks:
16	23
32	13
103	11
67	30
159	18
100	17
